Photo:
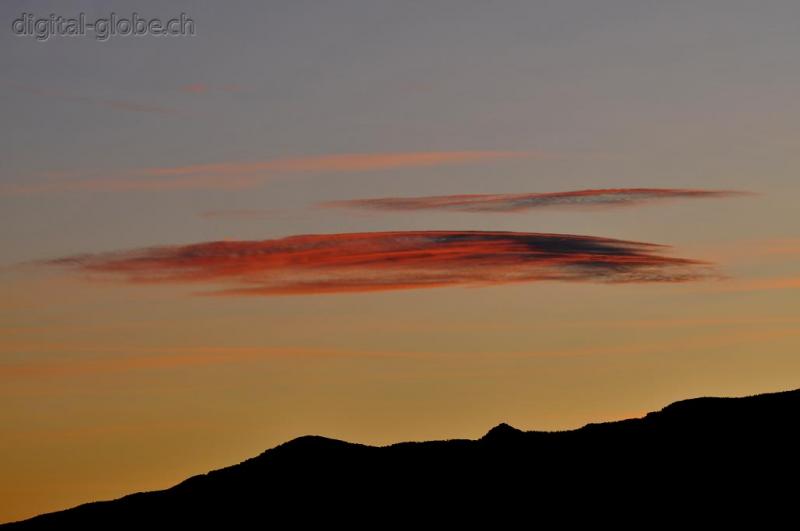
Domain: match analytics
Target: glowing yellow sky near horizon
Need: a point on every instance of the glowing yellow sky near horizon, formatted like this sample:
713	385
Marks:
146	386
108	387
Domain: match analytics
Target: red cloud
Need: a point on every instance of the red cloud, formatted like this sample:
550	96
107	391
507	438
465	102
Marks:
379	261
615	197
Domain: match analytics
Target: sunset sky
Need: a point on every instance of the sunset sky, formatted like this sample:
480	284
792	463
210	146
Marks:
384	221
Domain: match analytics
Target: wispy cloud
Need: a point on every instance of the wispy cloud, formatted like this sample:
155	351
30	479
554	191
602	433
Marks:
246	213
204	88
194	88
238	174
133	106
117	104
379	261
760	284
334	163
615	197
751	250
132	358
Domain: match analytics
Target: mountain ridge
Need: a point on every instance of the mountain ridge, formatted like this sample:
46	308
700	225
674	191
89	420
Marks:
711	440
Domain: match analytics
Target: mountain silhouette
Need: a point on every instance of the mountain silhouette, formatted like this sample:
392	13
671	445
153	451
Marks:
736	449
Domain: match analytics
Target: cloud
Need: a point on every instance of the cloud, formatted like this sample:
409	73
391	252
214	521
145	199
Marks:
195	88
203	88
246	213
237	174
124	105
120	105
752	250
761	284
616	197
380	261
125	359
334	163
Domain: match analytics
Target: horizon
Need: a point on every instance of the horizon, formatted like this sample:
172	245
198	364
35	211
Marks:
721	429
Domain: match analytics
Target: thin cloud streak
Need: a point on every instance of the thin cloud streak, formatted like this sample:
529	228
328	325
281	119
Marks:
132	358
203	88
384	261
195	88
246	213
762	284
752	250
238	175
504	203
117	104
158	359
335	163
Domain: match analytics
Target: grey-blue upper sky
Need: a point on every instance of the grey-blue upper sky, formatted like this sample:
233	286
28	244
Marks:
611	93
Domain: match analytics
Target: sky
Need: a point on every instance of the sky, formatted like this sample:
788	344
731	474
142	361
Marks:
384	221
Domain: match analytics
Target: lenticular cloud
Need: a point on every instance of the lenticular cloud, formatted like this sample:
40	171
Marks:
616	197
376	261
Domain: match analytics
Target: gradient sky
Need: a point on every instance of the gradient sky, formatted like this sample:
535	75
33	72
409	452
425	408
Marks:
123	161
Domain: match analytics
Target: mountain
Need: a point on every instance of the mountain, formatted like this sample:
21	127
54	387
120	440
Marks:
687	454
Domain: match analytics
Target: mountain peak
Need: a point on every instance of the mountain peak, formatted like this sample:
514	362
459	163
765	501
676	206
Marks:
501	431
